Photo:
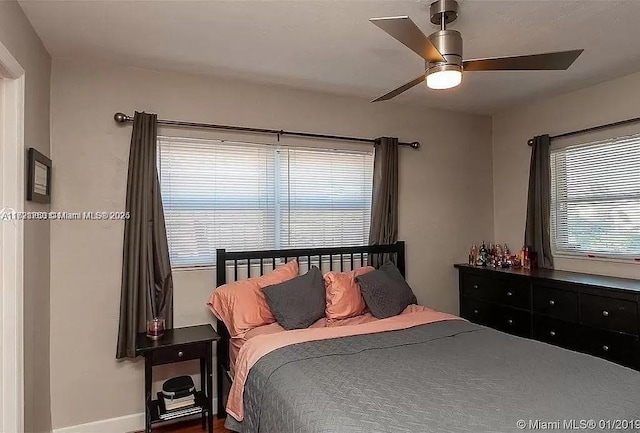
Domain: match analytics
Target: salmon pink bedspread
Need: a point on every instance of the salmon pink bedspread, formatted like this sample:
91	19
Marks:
261	345
274	328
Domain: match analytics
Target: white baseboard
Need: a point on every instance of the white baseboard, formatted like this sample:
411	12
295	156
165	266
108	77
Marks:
122	424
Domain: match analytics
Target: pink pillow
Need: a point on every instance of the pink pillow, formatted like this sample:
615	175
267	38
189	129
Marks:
241	305
344	299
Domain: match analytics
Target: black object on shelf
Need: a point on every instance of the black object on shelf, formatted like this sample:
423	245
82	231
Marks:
178	387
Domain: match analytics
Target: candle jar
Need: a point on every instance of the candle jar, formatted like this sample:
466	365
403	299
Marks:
155	328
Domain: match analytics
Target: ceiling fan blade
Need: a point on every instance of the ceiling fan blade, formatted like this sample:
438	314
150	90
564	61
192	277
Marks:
404	30
399	90
557	61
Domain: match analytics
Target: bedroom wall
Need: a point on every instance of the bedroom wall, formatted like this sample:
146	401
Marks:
17	35
607	102
441	207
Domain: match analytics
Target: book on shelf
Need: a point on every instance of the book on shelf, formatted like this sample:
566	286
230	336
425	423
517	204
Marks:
180	413
173	404
170	405
190	397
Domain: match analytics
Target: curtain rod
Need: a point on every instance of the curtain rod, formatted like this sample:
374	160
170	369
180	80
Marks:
123	118
593	128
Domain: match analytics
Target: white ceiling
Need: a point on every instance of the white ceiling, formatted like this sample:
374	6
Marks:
330	45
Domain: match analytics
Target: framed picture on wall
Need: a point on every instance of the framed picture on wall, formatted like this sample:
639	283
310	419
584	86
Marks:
39	180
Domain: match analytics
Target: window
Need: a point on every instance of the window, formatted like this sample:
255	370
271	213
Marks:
595	198
242	196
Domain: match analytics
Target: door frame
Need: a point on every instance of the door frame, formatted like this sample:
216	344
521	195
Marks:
12	167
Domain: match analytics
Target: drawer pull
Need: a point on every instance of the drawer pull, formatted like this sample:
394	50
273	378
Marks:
605	348
475	286
552	333
509	294
510	321
552	302
605	313
475	311
180	354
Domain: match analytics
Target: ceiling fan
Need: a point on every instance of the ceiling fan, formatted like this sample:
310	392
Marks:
442	51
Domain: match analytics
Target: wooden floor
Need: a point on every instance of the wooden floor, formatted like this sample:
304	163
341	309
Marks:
191	427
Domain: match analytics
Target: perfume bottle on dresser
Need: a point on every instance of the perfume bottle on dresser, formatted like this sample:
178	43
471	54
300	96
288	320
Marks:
473	255
484	254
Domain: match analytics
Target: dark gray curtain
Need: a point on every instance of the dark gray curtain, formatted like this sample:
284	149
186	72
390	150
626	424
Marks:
147	285
384	204
537	232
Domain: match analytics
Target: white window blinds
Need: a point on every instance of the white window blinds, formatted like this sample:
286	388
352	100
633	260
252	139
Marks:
325	197
243	196
595	198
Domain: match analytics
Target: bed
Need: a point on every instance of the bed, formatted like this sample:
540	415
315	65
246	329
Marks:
423	371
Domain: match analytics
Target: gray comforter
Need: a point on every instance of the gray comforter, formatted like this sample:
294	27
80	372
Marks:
451	376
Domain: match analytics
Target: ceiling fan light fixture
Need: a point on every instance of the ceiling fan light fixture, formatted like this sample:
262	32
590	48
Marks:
444	76
442	52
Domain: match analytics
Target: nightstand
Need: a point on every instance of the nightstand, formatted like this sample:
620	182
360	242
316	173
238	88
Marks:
178	345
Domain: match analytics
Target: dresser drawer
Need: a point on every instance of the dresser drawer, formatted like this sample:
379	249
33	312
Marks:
479	287
179	353
503	318
475	310
556	332
613	346
609	313
517	322
561	304
505	292
514	293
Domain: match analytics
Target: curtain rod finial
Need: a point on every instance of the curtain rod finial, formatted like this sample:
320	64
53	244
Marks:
121	117
415	145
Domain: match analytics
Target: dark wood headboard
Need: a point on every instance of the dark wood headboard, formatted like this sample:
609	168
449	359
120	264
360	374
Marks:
256	263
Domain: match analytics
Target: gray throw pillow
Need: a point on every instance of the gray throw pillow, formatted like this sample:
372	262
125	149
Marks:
299	302
385	291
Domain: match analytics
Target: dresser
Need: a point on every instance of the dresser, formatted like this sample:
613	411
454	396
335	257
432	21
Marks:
587	313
